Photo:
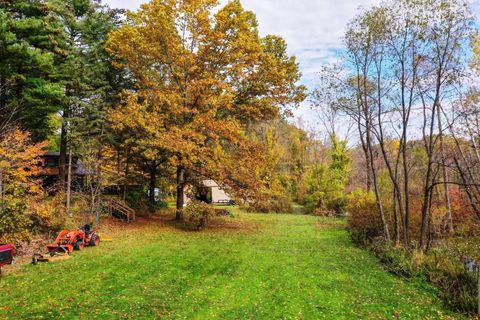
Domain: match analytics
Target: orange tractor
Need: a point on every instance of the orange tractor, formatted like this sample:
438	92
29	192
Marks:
67	241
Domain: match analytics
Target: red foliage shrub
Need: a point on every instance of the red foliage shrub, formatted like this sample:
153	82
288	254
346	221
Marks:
364	221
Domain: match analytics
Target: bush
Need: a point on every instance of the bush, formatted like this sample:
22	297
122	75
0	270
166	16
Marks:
458	287
222	212
398	260
277	205
323	213
162	204
136	199
197	214
48	214
14	222
363	219
20	219
337	205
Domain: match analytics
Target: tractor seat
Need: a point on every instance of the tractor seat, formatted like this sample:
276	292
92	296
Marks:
86	228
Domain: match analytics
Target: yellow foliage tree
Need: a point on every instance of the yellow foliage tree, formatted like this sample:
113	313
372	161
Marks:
203	74
19	161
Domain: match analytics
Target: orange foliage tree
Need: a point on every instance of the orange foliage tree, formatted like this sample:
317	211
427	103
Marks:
203	74
18	169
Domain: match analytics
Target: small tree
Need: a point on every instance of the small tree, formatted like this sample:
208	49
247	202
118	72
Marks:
326	183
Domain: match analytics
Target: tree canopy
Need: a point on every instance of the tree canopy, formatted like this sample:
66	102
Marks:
202	75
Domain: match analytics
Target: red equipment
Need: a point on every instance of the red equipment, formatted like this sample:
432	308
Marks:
7	252
68	240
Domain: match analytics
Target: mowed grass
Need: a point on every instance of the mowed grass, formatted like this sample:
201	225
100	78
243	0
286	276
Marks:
255	266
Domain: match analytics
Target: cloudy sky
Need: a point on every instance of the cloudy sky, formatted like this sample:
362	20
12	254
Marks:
312	28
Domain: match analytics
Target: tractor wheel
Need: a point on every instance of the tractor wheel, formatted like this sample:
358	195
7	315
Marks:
78	245
34	260
95	240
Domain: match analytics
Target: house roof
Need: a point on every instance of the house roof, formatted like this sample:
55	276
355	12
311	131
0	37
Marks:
55	154
210	183
52	153
77	167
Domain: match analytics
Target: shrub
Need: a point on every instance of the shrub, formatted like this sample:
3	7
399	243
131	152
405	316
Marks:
22	217
222	212
197	215
14	221
458	286
277	205
441	268
48	213
162	204
398	260
363	219
319	212
136	199
337	205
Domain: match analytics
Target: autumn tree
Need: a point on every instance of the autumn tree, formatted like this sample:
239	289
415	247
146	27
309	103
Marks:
325	182
203	74
446	29
19	166
404	61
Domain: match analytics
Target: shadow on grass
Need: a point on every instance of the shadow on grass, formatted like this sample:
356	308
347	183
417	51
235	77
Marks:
216	224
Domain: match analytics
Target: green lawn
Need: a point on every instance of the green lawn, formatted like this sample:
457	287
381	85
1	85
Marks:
256	267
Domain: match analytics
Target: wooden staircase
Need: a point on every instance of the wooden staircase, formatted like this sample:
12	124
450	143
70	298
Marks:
119	208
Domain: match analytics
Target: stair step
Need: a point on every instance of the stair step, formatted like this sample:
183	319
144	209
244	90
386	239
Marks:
121	209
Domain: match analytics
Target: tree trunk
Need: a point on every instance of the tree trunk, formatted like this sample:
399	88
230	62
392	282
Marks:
92	201
369	145
119	170
127	173
152	185
429	222
386	232
62	160
429	146
445	174
367	158
180	192
406	196
396	225
69	183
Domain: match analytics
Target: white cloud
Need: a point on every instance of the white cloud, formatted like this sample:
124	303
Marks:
128	4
